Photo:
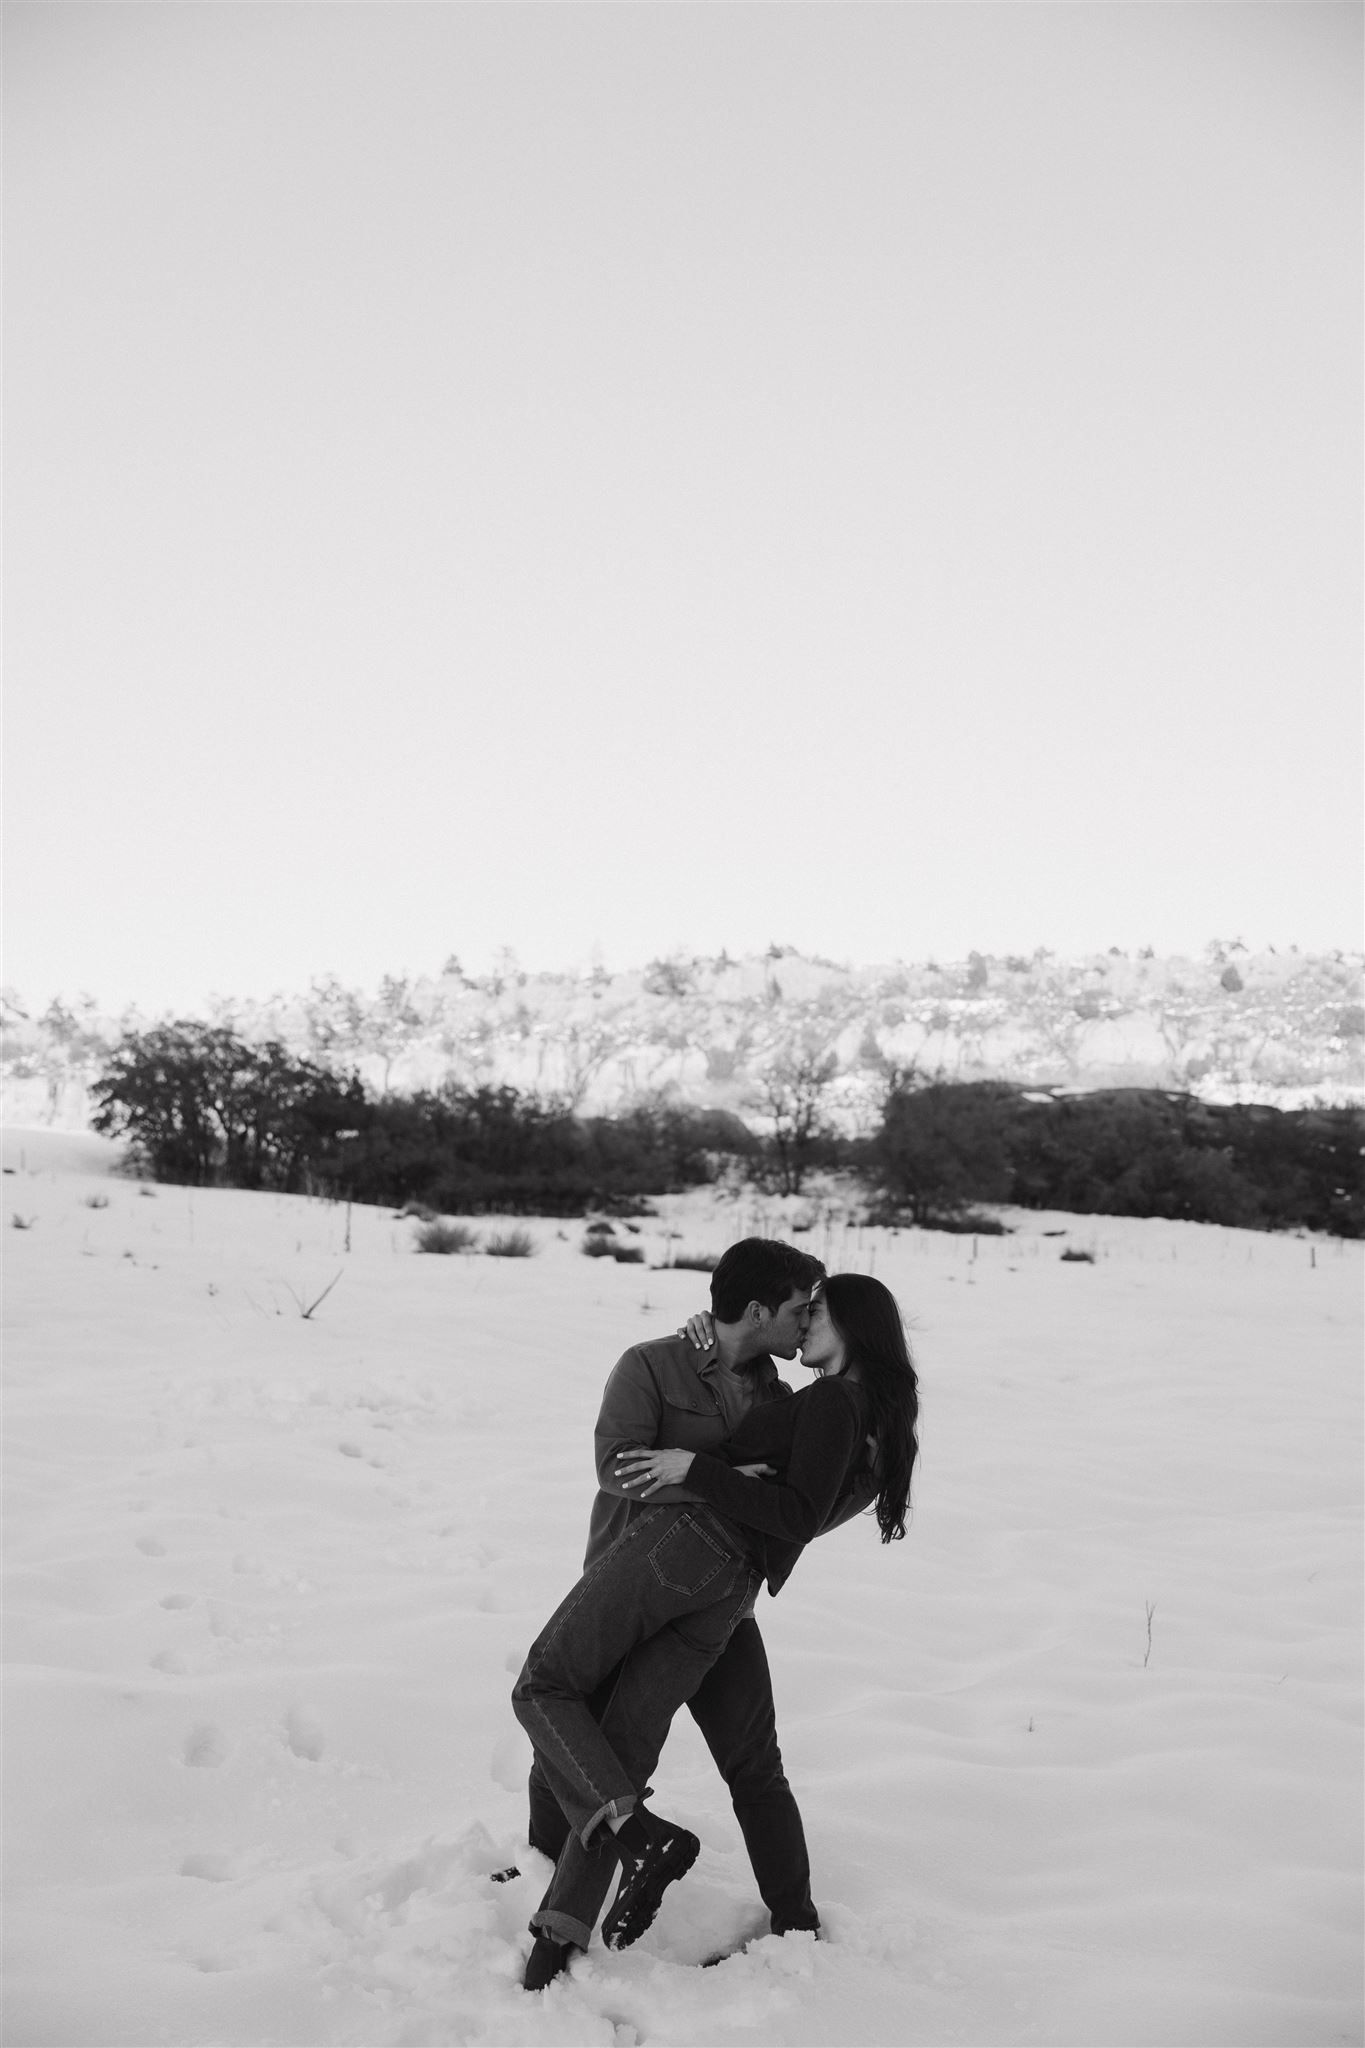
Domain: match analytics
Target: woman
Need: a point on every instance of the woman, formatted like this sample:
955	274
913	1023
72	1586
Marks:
666	1595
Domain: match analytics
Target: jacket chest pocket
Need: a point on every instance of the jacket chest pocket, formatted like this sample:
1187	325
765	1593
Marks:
692	1424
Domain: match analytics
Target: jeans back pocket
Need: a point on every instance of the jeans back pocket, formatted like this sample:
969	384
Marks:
685	1559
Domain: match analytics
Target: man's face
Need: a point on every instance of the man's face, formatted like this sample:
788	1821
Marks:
786	1330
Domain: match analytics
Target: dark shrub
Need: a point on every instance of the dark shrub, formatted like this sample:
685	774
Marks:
511	1244
1119	1152
967	1223
943	1146
494	1150
447	1237
200	1106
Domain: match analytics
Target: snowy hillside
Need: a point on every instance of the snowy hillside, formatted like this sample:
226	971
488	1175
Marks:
1286	1028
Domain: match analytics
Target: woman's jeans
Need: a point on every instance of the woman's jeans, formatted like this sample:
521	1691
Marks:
664	1598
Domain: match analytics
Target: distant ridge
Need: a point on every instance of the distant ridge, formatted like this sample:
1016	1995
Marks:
1230	1025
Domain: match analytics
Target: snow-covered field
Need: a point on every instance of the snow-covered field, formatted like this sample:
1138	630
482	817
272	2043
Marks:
1079	1761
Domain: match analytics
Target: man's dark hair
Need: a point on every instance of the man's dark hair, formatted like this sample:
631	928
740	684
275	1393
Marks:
760	1269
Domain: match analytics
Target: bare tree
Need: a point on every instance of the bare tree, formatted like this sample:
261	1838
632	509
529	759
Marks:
390	1023
585	1045
792	1088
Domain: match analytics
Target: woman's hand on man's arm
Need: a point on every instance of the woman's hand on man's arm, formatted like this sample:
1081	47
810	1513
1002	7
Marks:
647	1471
650	1470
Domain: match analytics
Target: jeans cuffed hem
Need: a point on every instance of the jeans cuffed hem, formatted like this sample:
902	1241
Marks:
614	1809
561	1927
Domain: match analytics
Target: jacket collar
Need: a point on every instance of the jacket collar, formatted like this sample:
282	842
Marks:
706	1365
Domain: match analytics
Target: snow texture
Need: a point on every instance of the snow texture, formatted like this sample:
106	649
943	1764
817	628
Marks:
1079	1761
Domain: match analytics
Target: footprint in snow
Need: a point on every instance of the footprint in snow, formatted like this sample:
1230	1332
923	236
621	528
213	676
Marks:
303	1733
151	1546
205	1747
214	1869
177	1600
170	1661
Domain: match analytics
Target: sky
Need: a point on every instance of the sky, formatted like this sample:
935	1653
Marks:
601	480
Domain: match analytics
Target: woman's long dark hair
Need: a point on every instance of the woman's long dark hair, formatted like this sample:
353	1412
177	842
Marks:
867	1318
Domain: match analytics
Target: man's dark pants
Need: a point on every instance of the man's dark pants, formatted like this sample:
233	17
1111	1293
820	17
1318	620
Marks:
733	1707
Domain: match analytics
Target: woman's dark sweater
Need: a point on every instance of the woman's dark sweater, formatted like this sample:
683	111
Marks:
817	1440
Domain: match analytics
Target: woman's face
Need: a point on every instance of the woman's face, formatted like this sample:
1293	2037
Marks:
823	1350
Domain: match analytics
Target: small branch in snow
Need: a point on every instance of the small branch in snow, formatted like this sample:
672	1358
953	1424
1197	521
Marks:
306	1309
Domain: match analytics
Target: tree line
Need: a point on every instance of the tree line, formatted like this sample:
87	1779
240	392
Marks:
1119	1152
202	1106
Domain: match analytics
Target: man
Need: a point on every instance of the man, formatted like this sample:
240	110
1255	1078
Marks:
667	1395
